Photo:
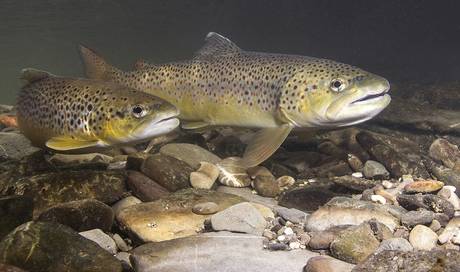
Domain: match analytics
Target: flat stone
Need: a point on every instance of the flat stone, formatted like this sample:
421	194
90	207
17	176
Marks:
14	211
50	189
355	183
397	243
124	203
169	172
45	246
355	244
217	251
191	154
80	215
326	264
445	152
293	215
247	194
310	197
423	186
423	238
171	217
15	146
448	193
145	188
375	170
419	217
414	261
346	211
205	208
102	239
242	217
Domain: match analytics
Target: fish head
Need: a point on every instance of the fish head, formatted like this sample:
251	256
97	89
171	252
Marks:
334	95
135	117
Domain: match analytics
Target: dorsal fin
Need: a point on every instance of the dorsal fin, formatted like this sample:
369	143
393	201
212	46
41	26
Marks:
141	64
32	75
216	44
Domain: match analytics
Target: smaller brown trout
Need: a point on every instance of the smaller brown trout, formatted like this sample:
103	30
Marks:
75	114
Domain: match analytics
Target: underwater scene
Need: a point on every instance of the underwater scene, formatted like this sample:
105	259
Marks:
229	136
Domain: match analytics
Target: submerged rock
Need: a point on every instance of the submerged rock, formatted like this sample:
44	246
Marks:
169	172
415	261
310	197
171	217
326	264
355	183
191	154
145	188
10	268
14	211
423	186
428	202
43	246
217	251
205	176
355	244
80	215
445	152
50	189
375	170
247	194
102	239
394	244
15	146
242	217
346	211
419	217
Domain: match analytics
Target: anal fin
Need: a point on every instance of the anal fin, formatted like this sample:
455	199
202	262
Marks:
63	143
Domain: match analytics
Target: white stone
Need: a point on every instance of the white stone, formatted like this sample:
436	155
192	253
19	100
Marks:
379	199
423	238
387	184
288	231
357	174
294	245
451	229
448	193
281	238
125	203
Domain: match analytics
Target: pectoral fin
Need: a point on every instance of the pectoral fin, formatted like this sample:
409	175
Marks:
264	144
63	143
193	124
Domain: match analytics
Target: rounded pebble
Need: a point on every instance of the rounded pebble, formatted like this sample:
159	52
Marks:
205	208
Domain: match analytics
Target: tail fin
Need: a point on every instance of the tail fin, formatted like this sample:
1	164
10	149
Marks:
95	66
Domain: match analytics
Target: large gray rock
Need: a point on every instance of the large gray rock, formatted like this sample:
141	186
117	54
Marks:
103	240
218	251
347	211
242	217
171	217
189	153
414	261
373	169
419	217
15	146
43	246
50	189
81	215
394	244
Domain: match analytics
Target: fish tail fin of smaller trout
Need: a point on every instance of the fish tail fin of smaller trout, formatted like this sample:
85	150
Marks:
95	66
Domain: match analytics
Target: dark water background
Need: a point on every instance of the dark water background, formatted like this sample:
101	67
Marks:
401	40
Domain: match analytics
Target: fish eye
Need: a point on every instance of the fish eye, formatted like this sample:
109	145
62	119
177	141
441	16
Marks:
337	85
138	111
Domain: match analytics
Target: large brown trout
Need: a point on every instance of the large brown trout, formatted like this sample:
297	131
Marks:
226	86
66	114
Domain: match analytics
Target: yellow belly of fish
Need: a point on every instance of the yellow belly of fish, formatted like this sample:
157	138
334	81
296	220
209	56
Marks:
225	114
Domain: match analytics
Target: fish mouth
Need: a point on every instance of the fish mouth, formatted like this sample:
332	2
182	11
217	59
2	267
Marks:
371	98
